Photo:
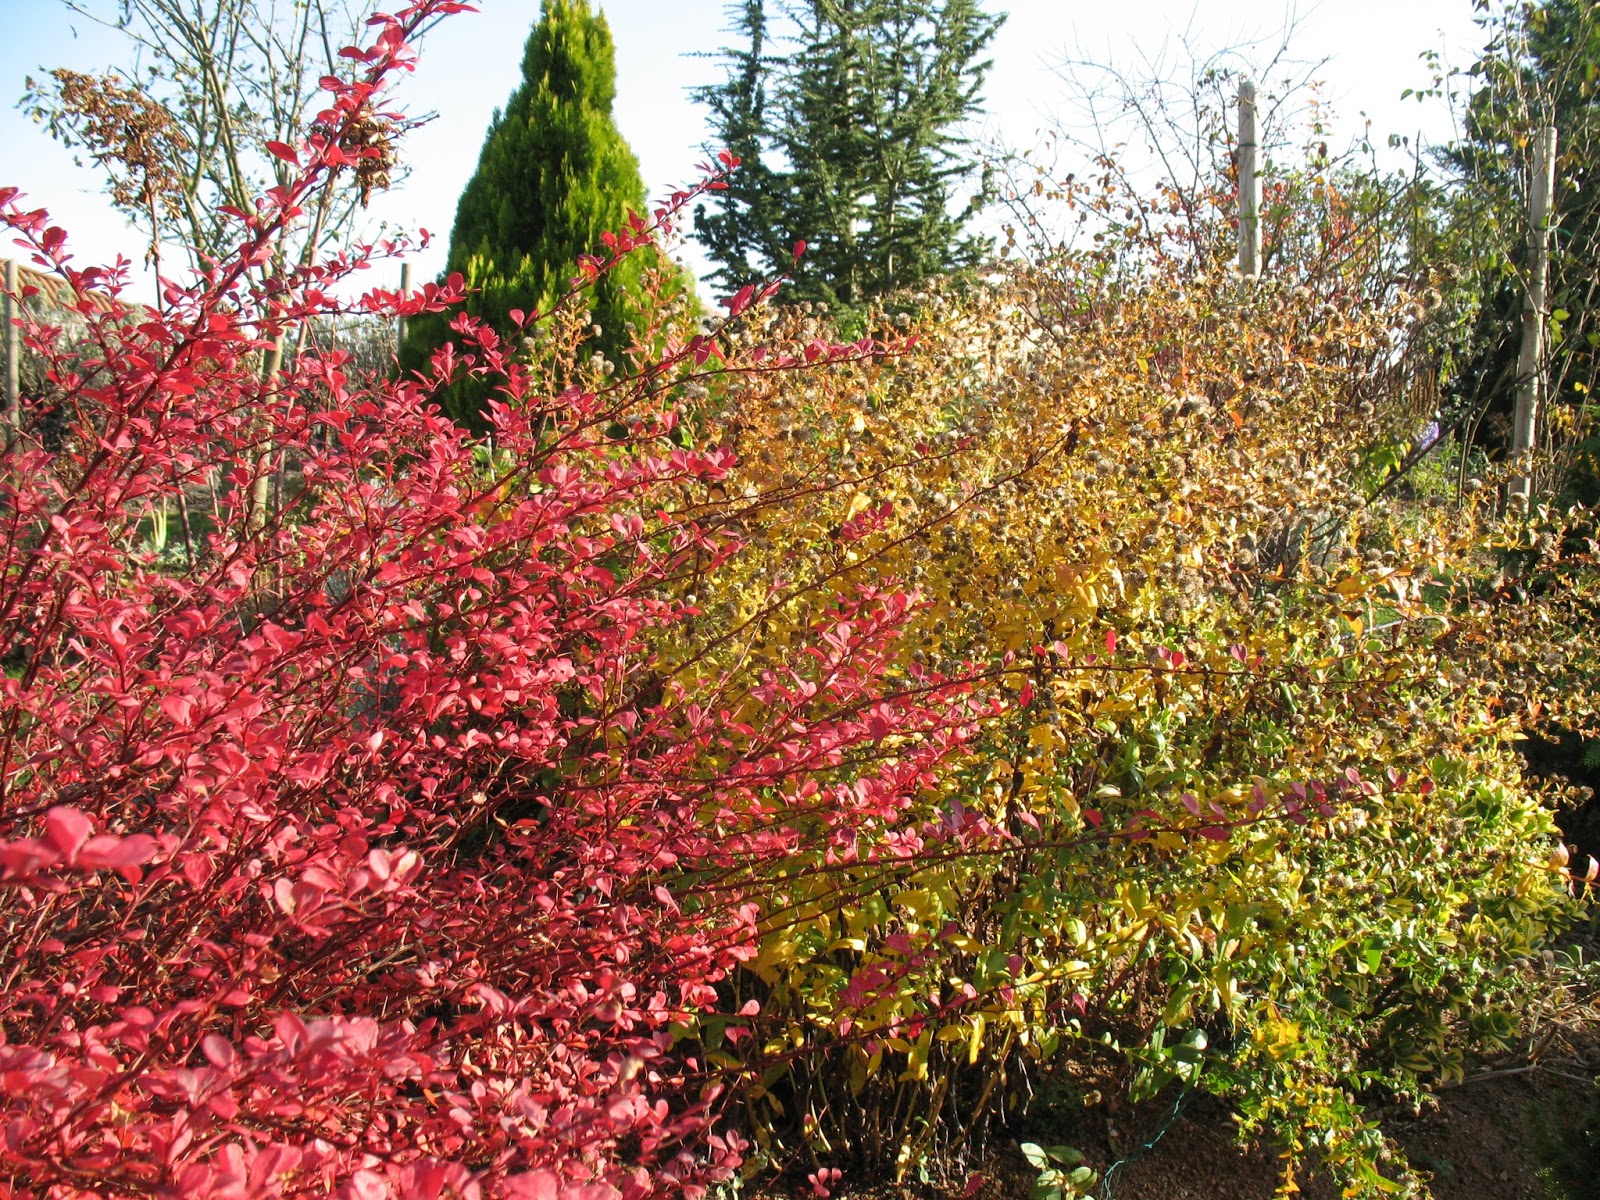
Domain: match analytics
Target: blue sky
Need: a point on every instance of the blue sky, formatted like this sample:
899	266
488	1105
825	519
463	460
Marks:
470	64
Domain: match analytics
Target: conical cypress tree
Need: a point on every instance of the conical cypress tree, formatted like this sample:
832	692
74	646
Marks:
554	174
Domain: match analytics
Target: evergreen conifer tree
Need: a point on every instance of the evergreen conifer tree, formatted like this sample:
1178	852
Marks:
553	175
851	141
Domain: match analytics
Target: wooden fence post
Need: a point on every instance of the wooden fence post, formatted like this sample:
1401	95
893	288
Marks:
1530	359
13	350
1249	185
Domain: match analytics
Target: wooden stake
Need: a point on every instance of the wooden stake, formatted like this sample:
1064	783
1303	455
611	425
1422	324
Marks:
13	411
1530	360
1249	185
400	324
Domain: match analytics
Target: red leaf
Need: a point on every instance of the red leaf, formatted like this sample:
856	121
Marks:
737	303
121	854
66	829
284	151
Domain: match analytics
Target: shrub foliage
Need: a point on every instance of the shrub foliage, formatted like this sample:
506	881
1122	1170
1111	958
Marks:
368	848
783	753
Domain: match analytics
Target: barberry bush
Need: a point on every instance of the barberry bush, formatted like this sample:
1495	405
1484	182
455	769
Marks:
356	839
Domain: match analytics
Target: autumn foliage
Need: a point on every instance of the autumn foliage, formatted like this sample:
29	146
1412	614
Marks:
764	752
1248	821
356	843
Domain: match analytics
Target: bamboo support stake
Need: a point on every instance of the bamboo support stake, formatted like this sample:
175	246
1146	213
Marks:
13	411
1530	359
1249	185
400	323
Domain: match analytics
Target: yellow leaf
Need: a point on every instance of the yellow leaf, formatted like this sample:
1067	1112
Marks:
921	904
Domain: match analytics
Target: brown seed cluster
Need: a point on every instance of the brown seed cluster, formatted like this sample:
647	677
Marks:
126	132
369	140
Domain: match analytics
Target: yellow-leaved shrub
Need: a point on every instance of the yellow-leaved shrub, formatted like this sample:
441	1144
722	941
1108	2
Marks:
1241	818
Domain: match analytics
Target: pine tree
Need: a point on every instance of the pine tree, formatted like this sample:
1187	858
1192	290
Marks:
851	141
553	175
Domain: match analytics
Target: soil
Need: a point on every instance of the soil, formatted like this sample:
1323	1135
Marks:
1481	1140
1479	1143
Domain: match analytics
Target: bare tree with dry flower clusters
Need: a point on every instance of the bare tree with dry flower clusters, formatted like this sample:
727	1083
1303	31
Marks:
188	126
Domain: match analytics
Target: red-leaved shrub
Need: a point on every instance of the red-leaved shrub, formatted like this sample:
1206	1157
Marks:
355	839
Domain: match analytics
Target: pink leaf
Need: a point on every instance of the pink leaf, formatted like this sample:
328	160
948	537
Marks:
366	1185
219	1052
283	891
533	1185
